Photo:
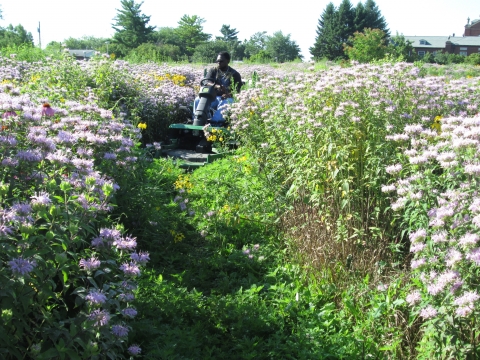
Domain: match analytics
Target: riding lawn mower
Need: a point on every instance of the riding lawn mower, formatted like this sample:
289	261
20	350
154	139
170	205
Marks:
187	142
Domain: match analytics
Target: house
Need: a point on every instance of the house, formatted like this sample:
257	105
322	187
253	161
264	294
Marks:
472	29
465	45
82	54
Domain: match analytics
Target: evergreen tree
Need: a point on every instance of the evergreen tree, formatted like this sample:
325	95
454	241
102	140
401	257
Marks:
374	18
337	26
326	42
345	18
228	34
131	25
190	32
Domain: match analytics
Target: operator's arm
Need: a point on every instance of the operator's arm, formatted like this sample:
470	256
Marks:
212	74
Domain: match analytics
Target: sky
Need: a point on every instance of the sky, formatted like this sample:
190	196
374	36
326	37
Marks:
62	19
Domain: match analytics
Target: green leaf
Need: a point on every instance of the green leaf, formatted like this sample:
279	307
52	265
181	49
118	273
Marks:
49	354
65	276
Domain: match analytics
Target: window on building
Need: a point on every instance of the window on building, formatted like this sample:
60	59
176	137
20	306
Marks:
423	42
421	53
463	53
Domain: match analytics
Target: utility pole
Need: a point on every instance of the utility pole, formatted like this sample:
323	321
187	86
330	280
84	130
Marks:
39	38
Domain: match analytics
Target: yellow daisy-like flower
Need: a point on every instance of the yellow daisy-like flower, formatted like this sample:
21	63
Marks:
142	126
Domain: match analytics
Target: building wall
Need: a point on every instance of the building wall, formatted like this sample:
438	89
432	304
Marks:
472	30
451	48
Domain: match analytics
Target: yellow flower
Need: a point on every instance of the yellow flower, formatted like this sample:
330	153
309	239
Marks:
436	124
142	126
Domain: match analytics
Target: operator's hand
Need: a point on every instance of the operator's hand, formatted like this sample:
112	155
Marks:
220	88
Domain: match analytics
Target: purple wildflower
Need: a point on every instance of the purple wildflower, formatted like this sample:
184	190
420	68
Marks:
126	243
90	264
99	317
466	299
41	199
128	297
414	297
428	312
96	297
129	312
21	266
468	240
120	330
134	350
418	263
130	269
141	258
5	230
418	235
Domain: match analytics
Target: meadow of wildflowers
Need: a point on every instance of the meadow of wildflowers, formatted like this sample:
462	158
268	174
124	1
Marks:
364	174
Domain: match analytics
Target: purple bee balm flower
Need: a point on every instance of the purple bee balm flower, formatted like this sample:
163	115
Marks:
468	240
21	267
41	199
418	235
414	297
418	263
129	312
466	299
96	297
127	243
99	317
110	156
90	264
141	258
8	114
120	330
130	269
5	230
126	297
428	312
47	110
134	350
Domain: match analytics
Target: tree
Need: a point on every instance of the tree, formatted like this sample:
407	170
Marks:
281	48
337	26
15	36
255	44
86	42
228	34
345	26
157	53
208	51
374	19
131	25
367	46
190	32
166	35
326	44
401	49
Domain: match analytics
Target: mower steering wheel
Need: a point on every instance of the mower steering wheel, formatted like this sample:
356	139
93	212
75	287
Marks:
204	81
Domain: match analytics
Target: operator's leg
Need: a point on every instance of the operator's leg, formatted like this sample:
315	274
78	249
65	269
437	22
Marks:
222	106
210	103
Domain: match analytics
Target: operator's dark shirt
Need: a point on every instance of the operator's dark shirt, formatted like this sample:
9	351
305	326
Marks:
225	79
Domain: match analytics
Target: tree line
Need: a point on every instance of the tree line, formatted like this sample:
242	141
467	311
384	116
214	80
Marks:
345	32
134	36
